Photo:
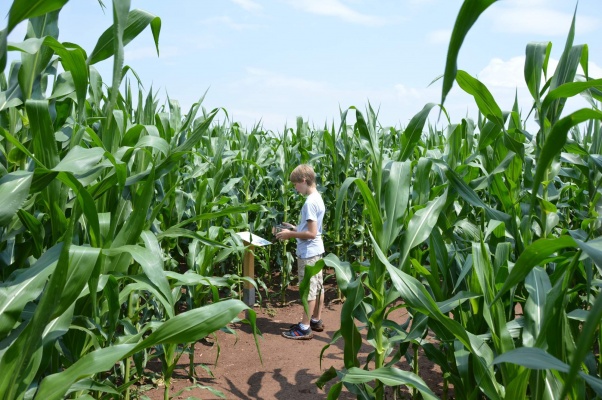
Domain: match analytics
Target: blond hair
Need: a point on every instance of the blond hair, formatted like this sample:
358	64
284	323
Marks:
303	172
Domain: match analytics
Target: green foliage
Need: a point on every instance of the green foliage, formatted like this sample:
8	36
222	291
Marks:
118	216
98	207
494	252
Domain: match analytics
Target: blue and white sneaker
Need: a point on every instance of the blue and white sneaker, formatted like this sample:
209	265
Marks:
296	333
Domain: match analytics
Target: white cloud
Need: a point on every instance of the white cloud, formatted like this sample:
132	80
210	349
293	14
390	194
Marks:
248	5
535	17
500	73
272	80
440	36
229	22
510	73
505	80
411	94
335	8
270	96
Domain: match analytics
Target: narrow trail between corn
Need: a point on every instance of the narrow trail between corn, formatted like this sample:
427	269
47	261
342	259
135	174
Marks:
290	368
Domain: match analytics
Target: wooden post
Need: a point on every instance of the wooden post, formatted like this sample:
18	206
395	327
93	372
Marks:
248	270
248	265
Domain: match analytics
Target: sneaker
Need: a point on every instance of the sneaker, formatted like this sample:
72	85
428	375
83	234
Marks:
296	333
316	326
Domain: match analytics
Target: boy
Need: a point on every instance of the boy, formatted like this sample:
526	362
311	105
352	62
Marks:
310	248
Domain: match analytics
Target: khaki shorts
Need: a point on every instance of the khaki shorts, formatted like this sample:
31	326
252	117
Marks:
316	282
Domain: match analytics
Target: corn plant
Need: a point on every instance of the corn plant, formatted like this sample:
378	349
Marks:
490	218
118	228
93	212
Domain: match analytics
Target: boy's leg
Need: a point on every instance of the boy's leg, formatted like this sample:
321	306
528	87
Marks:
298	332
311	305
315	298
317	308
301	274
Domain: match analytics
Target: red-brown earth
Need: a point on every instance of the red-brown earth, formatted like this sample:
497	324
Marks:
290	368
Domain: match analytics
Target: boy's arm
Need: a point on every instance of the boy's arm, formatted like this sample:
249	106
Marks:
310	233
290	226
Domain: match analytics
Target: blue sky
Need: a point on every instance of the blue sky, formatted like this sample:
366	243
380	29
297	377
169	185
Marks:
274	60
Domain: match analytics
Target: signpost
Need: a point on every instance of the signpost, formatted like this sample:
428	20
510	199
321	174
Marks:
248	264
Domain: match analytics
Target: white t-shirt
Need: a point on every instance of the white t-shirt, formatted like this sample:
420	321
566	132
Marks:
313	210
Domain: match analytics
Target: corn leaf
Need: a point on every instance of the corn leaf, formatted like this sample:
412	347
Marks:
585	343
184	328
556	141
81	263
538	285
343	271
33	65
485	101
152	267
21	10
349	331
413	132
470	11
536	62
420	227
73	60
567	90
538	359
46	151
137	21
390	377
370	204
532	256
21	360
24	286
396	197
310	270
14	189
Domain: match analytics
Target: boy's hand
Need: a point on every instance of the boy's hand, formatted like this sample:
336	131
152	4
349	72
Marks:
284	235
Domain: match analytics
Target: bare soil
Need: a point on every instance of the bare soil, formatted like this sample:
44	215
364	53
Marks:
287	369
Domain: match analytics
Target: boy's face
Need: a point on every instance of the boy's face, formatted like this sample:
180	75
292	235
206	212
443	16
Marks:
301	187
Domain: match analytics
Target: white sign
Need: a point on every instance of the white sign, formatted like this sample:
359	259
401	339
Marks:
253	239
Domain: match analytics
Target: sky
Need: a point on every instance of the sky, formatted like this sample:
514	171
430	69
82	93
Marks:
270	61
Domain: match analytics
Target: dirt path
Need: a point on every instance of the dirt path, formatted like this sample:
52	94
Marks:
290	368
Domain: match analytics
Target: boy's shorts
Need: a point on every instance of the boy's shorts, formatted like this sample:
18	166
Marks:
316	282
